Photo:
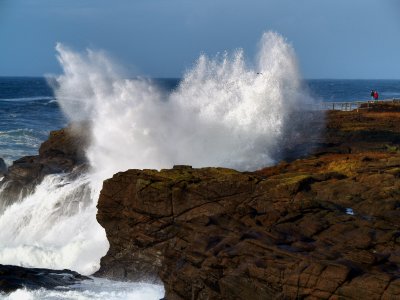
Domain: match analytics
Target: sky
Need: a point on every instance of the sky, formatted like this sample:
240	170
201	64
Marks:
354	39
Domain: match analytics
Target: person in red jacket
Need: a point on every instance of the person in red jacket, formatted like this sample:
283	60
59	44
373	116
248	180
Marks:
376	95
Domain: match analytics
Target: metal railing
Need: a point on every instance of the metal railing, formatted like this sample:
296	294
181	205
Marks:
352	105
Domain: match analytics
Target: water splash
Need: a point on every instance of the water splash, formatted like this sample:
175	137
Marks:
223	113
55	227
97	288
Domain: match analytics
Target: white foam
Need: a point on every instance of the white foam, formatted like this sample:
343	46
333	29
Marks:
27	99
55	227
97	289
27	140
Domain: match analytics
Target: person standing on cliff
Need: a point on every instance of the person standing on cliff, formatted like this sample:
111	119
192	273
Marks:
376	96
372	94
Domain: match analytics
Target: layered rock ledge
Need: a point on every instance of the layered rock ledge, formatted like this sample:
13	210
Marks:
322	227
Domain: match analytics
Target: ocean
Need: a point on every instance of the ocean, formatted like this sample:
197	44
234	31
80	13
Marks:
338	90
28	111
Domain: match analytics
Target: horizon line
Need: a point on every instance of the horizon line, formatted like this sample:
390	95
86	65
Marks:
179	78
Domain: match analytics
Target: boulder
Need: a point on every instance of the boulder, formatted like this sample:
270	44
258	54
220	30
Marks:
13	278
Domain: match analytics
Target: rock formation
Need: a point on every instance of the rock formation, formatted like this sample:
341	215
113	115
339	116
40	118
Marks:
13	278
62	152
322	227
3	167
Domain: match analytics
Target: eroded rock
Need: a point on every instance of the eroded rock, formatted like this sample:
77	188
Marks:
220	234
284	232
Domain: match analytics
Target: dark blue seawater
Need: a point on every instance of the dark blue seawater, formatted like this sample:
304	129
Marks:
29	110
352	90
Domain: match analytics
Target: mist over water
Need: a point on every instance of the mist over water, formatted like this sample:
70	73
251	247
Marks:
224	112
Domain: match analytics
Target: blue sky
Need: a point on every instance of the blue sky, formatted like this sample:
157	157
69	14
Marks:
162	38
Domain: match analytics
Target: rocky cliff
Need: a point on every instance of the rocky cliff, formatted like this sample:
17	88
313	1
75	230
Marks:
322	227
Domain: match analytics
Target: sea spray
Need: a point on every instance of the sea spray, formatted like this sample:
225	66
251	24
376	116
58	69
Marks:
223	113
55	227
100	289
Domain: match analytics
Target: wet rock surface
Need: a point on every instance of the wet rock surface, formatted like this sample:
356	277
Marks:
3	167
13	278
322	227
63	152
